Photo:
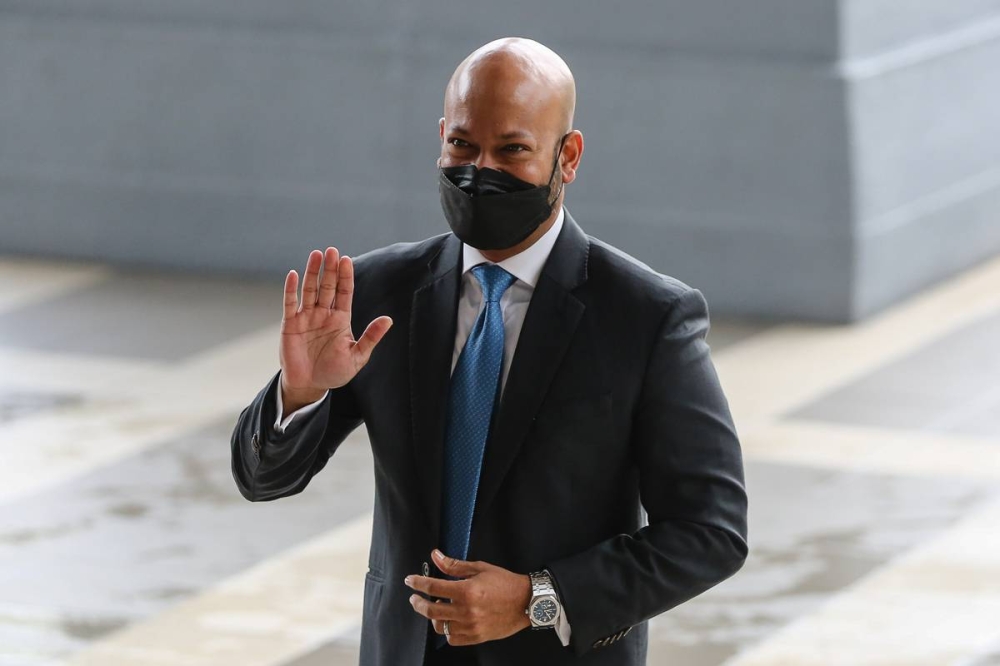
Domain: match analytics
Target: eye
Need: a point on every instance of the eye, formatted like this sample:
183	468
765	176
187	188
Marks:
515	147
458	143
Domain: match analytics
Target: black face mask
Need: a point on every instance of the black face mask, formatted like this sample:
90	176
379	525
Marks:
493	210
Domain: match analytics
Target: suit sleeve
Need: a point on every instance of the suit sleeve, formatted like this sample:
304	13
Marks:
268	464
282	420
691	485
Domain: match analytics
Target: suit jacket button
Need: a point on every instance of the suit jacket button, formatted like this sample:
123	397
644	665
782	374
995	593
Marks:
426	569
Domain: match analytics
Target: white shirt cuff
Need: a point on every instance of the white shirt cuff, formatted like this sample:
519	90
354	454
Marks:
279	424
563	630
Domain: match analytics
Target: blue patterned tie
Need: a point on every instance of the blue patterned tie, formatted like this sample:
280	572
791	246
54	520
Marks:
474	386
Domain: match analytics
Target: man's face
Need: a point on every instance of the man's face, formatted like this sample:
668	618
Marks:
507	128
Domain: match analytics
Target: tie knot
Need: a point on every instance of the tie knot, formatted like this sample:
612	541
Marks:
494	280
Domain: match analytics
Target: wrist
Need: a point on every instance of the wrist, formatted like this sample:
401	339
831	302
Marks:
524	600
293	399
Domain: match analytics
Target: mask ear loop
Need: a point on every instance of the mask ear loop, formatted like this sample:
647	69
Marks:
555	163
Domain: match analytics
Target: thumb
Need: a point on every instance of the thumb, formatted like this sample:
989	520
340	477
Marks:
371	337
455	567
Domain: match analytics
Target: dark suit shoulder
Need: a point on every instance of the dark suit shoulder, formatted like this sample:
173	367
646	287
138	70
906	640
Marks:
401	256
631	279
400	265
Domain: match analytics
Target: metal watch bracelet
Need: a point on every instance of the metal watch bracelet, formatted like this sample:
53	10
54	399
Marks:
541	586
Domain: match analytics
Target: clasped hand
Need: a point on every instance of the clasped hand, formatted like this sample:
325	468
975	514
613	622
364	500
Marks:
487	604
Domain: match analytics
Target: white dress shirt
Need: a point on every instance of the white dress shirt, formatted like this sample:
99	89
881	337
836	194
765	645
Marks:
526	266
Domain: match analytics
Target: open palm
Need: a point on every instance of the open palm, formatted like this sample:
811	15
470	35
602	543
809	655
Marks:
318	350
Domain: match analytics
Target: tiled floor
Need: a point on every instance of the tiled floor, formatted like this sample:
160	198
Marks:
140	316
873	468
951	385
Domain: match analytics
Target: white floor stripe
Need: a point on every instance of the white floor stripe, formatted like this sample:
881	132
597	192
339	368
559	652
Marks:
778	370
128	409
30	370
39	452
937	605
878	450
26	281
277	611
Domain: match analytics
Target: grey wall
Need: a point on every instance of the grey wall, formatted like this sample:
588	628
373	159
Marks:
923	105
792	158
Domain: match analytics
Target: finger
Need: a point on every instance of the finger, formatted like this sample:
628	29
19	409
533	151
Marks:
458	635
454	628
291	303
328	284
457	568
435	587
435	611
371	337
310	280
345	285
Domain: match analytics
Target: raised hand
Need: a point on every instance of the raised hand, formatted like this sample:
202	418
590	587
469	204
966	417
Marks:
318	350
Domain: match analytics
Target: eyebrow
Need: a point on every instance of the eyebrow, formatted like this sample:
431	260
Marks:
514	134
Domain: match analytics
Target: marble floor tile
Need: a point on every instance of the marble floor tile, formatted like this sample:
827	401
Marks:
991	657
949	385
269	614
769	376
341	651
871	451
18	404
813	533
134	537
144	315
934	604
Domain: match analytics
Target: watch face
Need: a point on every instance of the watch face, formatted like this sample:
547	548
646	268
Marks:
544	611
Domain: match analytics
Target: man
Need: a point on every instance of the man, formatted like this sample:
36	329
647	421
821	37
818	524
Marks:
537	391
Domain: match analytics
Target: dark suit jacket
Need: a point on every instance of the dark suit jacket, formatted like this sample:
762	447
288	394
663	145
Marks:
612	405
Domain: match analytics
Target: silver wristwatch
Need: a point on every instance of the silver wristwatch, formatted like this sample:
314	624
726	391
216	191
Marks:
544	608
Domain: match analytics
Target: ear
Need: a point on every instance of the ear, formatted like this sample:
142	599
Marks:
572	151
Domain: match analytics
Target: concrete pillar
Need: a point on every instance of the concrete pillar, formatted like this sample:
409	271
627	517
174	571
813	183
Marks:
817	159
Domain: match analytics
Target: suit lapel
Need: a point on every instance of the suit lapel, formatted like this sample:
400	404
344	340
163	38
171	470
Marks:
432	342
548	328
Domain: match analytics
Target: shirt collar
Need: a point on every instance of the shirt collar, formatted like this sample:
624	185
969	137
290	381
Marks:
527	265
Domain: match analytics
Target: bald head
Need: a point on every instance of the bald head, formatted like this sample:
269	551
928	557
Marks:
519	70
